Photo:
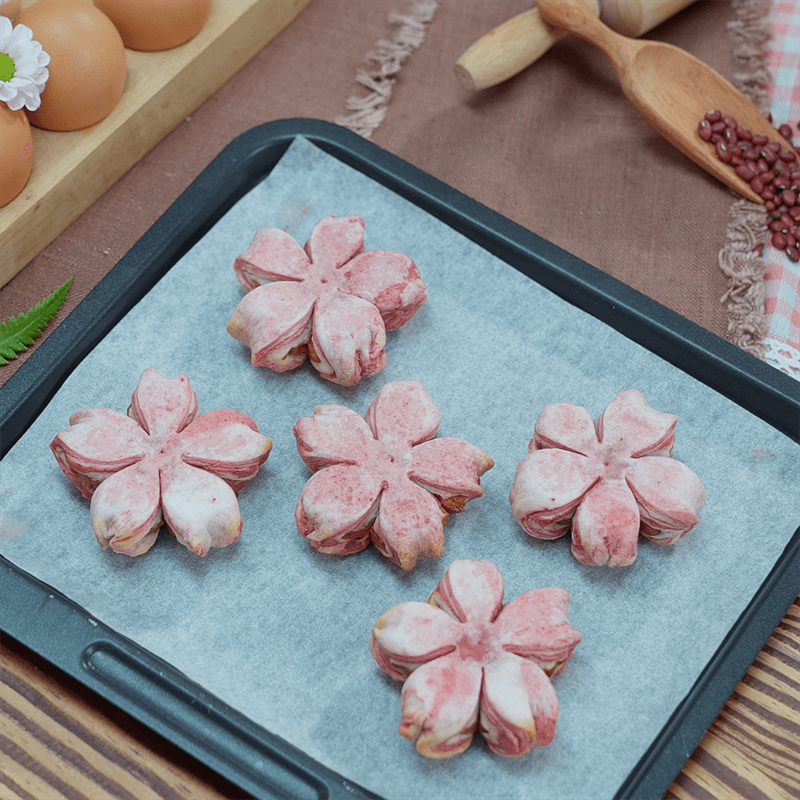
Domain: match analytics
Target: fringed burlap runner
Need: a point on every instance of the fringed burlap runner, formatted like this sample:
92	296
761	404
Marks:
368	112
741	257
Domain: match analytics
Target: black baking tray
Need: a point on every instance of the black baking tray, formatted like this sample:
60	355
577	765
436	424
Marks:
143	685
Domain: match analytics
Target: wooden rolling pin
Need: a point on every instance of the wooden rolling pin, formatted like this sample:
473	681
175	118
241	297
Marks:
517	43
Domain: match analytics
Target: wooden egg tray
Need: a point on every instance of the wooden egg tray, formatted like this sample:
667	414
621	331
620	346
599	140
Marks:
72	169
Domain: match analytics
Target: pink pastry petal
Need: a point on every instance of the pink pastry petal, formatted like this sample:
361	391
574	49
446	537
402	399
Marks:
347	338
199	508
548	486
336	508
274	321
125	509
470	590
669	495
410	634
409	525
634	429
440	706
534	625
335	240
450	469
518	707
566	426
333	435
390	281
163	405
98	443
605	528
227	444
273	255
403	413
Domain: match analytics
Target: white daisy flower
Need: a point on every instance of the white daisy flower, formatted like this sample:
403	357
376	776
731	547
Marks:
23	66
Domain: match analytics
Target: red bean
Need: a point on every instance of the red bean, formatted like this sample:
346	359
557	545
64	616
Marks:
771	171
723	154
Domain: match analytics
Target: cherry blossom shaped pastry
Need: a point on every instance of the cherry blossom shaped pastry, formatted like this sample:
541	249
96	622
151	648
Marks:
162	463
330	302
468	661
384	477
606	482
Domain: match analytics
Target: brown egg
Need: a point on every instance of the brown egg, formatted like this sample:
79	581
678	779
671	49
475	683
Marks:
156	24
16	153
87	63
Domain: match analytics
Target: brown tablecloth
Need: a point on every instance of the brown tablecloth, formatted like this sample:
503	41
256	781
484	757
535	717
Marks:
558	149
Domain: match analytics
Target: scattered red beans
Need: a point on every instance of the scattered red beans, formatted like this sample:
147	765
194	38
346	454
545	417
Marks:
772	172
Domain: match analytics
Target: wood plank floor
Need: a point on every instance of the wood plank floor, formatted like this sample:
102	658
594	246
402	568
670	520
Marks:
60	740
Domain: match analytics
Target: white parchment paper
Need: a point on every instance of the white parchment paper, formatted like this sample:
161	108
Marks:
280	632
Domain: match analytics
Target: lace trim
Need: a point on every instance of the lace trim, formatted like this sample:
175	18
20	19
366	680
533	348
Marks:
741	257
782	356
367	112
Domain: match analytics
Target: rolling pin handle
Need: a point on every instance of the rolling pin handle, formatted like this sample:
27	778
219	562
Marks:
515	44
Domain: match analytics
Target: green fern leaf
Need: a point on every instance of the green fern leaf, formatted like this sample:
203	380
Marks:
18	333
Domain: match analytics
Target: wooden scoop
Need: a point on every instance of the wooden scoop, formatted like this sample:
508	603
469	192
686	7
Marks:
670	88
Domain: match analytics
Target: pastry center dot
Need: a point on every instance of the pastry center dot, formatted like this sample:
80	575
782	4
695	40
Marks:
612	462
477	643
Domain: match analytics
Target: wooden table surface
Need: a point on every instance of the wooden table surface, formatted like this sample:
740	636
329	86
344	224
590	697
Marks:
60	740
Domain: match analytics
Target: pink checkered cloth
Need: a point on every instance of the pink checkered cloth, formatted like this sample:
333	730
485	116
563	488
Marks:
782	277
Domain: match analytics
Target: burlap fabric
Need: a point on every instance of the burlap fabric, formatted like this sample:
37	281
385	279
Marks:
558	149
